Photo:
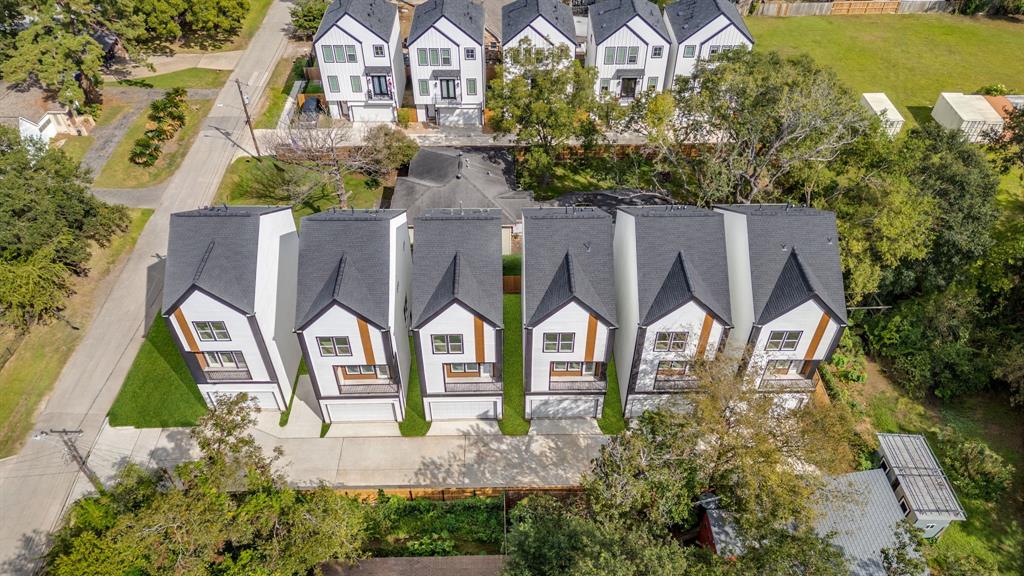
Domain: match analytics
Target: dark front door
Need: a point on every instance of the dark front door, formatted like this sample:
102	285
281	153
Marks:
448	89
380	85
628	89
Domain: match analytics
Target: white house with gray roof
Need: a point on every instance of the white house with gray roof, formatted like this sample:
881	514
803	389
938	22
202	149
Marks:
359	54
786	294
925	495
540	24
446	62
569	310
629	44
457	313
229	300
672	286
700	29
352	312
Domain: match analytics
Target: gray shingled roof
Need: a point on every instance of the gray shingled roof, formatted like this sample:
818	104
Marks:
568	254
687	17
680	253
465	15
607	16
377	15
344	258
861	512
928	491
457	257
794	256
214	249
515	17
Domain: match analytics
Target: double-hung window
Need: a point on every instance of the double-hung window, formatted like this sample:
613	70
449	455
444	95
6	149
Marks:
605	84
670	342
447	343
783	340
652	83
212	331
357	83
334	346
471	86
350	51
633	55
378	50
446	57
559	341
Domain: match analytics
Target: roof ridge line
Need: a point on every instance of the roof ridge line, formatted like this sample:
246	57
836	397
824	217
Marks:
338	277
202	262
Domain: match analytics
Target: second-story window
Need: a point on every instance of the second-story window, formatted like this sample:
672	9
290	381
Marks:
670	342
446	57
421	56
435	56
689	51
212	331
447	343
632	55
327	54
470	53
378	50
783	340
334	346
656	51
559	341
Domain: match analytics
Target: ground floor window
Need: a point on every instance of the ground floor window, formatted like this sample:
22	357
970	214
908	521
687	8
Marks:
783	368
573	368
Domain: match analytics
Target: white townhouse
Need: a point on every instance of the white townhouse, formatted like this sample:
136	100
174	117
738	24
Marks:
359	54
672	282
352	312
229	300
446	62
630	46
457	312
569	318
700	29
786	291
540	24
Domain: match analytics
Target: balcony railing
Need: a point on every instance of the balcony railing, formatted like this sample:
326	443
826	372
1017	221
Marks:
366	389
675	385
786	385
442	102
376	97
477	386
590	385
227	375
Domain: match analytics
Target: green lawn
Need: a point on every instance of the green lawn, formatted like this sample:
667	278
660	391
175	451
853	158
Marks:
158	391
415	423
76	146
29	375
513	404
569	176
119	172
912	58
285	74
187	78
612	421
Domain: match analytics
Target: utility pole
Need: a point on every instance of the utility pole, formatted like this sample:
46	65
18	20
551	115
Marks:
67	437
248	119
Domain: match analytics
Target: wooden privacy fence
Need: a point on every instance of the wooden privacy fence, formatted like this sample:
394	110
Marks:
512	495
852	7
868	7
511	284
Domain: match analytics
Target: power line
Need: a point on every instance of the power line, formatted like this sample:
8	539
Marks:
248	119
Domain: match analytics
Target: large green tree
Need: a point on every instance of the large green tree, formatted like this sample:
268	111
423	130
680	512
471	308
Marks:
306	16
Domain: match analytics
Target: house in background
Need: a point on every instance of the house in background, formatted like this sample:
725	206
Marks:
880	105
786	292
925	496
672	284
630	46
229	300
569	312
543	24
359	54
457	310
446	62
971	114
700	29
352	312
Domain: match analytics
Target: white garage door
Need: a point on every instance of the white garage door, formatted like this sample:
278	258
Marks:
458	116
370	412
265	400
372	114
565	408
463	410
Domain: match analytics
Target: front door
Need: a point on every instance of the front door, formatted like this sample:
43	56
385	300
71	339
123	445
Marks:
628	89
380	85
448	89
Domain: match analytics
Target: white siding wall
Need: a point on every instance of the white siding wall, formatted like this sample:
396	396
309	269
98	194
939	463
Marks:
688	318
741	293
276	284
444	34
627	298
804	318
571	318
645	38
399	308
350	32
719	32
338	321
199	307
453	320
540	34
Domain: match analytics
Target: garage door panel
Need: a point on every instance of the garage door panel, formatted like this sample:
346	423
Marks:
366	412
565	408
372	114
485	409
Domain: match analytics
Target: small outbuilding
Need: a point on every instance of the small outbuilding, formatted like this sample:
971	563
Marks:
880	105
924	493
969	113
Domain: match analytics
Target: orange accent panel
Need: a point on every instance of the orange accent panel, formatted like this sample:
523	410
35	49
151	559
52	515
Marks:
190	340
705	333
812	348
588	353
364	337
478	337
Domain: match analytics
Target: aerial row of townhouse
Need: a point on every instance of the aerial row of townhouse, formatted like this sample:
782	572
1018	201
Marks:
632	44
247	298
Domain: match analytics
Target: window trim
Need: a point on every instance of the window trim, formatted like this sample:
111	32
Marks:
609	55
785	336
689	51
380	48
236	356
773	373
652	82
434	56
448	343
424	84
605	85
671	339
336	344
421	57
632	55
446	56
350	53
356	83
657	51
333	84
665	370
560	338
198	329
469	53
470	86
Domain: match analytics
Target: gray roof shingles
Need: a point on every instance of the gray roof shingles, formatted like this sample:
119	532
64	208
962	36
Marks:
607	16
568	254
680	253
466	15
519	14
344	259
794	256
377	15
215	250
687	17
928	490
457	258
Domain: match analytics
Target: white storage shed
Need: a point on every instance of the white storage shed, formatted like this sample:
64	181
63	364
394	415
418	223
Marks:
880	105
969	113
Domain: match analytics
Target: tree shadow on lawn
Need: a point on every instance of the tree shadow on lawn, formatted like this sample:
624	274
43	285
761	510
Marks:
922	114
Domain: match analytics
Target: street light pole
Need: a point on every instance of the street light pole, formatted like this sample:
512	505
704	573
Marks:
248	119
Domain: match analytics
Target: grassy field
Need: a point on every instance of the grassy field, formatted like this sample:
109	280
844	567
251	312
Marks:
187	78
119	172
912	58
33	369
77	146
513	404
158	391
285	74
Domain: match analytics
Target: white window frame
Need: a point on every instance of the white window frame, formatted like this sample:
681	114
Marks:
424	84
332	84
471	86
783	340
332	346
378	50
671	341
657	51
561	342
605	85
446	56
689	51
215	360
470	53
632	55
448	343
652	82
773	368
215	331
356	83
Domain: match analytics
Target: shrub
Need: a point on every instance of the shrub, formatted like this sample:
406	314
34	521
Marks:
145	152
974	468
994	90
432	545
406	116
954	563
512	265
